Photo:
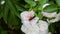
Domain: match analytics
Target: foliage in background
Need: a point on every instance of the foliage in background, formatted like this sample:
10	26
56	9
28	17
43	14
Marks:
10	21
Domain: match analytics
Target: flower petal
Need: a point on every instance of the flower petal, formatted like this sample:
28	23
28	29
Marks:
56	19
34	21
43	25
49	15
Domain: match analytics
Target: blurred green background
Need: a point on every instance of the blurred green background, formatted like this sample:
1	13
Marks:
10	21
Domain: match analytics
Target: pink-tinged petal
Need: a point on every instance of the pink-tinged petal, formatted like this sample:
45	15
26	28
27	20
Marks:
27	15
34	21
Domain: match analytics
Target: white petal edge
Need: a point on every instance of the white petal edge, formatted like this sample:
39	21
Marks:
49	15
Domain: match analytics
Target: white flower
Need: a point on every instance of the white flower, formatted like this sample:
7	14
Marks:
57	18
2	2
25	16
49	15
31	26
45	5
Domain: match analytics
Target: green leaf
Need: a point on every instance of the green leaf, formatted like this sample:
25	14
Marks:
43	1
31	2
19	8
40	15
13	8
5	12
40	7
12	20
27	6
12	17
40	4
50	8
58	2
